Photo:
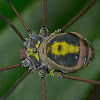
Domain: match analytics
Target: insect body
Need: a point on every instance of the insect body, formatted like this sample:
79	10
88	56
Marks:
61	52
53	54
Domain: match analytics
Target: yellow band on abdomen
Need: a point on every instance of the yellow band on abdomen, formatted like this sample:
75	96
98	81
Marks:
63	48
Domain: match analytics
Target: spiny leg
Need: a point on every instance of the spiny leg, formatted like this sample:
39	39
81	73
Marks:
12	26
43	88
10	67
79	15
80	79
19	16
44	14
15	85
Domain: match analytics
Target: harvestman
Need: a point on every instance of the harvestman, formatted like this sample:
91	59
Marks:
43	69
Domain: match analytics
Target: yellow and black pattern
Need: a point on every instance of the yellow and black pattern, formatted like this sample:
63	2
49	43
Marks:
33	51
64	50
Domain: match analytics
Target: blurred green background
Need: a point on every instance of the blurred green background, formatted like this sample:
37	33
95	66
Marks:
59	12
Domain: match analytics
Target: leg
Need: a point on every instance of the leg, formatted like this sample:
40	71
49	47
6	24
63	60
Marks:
44	31
19	16
43	88
44	15
79	15
12	26
15	85
58	73
80	79
10	67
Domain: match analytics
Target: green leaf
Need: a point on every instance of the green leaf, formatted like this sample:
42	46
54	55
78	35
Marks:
59	12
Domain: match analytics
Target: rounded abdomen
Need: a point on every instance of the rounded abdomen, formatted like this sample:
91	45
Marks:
68	52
